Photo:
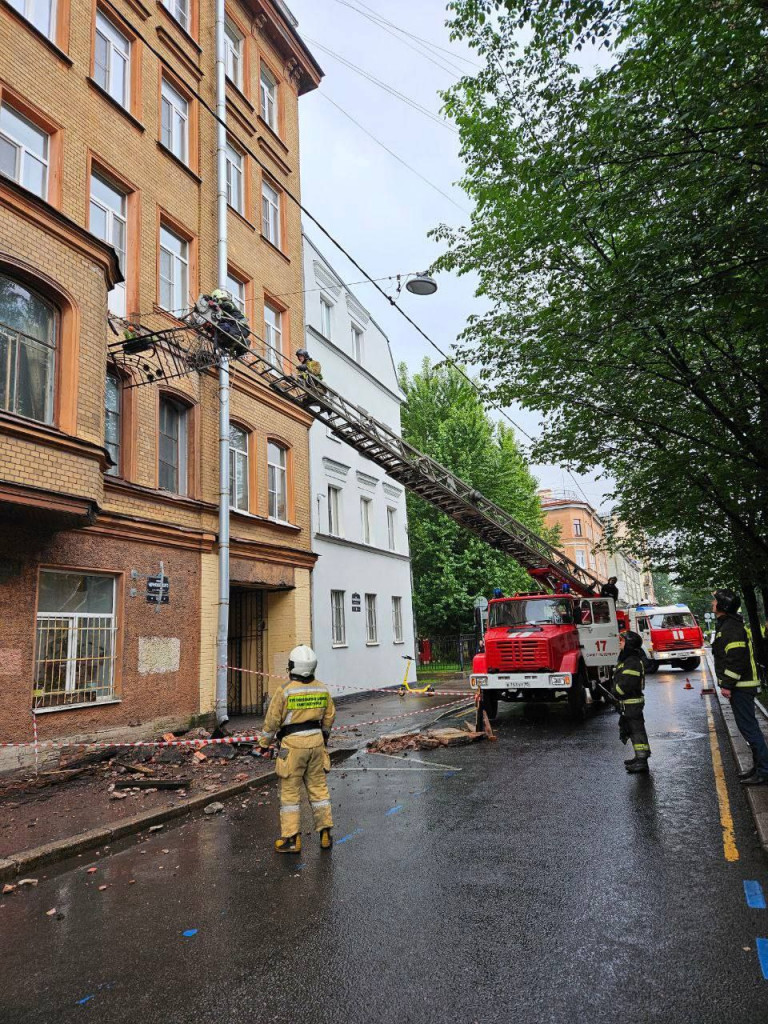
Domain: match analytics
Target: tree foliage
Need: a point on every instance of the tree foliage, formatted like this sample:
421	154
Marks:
619	236
444	417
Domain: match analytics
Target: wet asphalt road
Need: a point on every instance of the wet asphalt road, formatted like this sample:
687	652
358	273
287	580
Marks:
539	883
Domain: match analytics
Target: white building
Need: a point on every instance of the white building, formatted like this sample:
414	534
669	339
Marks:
362	617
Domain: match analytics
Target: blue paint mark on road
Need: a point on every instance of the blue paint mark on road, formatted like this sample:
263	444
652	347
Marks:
85	999
393	810
351	835
189	933
762	956
754	893
449	775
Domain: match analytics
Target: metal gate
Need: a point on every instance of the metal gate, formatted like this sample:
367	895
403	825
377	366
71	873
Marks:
245	649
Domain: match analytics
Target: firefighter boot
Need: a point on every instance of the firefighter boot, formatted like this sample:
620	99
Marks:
326	839
640	765
288	844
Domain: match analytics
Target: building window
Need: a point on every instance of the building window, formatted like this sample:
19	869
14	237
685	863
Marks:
41	13
357	344
577	528
28	334
268	92
365	519
392	529
180	10
238	468
108	220
113	420
581	558
75	650
270	213
334	511
236	289
174	121
233	41
172	451
338	625
235	191
23	151
325	317
397	620
277	472
174	270
273	335
371	629
112	60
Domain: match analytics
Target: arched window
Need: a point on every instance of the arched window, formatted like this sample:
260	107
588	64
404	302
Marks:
173	450
28	334
238	468
277	470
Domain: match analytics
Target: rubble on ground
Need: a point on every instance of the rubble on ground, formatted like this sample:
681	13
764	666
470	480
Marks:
430	739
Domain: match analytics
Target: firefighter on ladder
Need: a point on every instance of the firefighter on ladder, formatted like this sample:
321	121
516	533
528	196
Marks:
628	686
300	716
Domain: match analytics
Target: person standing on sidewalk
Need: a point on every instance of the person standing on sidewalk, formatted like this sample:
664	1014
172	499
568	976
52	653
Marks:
737	677
300	715
628	687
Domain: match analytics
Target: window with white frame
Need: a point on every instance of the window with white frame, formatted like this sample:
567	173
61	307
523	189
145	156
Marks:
112	60
236	289
238	468
397	620
581	558
233	41
23	151
268	97
577	528
113	400
41	13
334	511
338	624
174	270
174	121
172	447
371	627
235	189
366	506
108	221
277	481
180	10
75	642
392	528
273	335
357	343
270	213
29	327
325	317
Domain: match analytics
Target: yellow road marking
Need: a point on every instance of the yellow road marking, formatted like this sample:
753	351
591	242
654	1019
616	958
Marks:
726	818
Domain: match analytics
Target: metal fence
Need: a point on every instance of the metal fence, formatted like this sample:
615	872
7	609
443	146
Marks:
450	654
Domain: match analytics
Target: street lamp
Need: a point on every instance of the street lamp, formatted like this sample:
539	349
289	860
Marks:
416	284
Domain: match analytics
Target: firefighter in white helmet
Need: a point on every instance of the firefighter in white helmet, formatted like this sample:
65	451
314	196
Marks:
299	717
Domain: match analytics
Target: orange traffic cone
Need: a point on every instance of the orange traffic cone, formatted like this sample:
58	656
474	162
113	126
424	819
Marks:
687	684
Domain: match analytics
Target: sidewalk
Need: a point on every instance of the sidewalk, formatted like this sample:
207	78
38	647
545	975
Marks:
44	819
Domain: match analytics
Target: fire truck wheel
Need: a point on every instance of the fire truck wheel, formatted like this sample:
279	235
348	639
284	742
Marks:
577	700
651	666
689	664
490	705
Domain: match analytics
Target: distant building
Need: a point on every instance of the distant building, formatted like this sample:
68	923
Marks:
581	530
361	585
634	582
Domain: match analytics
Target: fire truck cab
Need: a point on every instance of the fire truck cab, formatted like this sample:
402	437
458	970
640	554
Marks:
671	635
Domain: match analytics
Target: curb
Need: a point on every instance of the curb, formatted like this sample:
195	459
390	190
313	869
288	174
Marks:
757	798
60	849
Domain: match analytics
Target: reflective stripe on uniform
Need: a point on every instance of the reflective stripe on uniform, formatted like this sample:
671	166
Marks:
733	675
747	684
736	643
619	690
307	701
634	700
630	672
289	808
320	803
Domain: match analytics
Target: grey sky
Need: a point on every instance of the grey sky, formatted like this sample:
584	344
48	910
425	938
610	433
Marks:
379	210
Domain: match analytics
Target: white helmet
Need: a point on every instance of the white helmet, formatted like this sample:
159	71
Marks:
302	662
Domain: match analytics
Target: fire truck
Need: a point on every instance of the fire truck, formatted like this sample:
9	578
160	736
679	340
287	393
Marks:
671	635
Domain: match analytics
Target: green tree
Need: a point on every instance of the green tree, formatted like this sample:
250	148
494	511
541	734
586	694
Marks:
444	417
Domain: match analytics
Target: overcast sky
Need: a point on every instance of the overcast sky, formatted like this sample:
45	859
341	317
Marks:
377	208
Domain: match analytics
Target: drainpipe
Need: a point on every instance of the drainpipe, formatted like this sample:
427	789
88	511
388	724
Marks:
222	629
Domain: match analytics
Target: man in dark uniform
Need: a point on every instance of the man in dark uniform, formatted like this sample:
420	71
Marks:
737	677
610	589
628	686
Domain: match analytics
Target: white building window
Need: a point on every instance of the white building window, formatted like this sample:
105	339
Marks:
334	511
325	317
268	97
174	117
75	649
172	447
273	335
233	41
397	620
108	221
371	627
180	10
270	213
577	528
28	333
112	421
277	471
174	270
366	506
338	625
23	151
41	13
235	190
236	289
238	468
112	60
392	529
581	558
357	344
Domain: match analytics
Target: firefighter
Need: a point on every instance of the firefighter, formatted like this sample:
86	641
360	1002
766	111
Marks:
300	716
737	677
628	686
610	589
308	365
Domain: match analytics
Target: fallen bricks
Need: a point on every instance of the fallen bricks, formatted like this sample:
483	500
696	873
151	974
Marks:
430	739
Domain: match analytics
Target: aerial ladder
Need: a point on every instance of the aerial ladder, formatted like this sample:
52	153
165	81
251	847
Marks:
154	350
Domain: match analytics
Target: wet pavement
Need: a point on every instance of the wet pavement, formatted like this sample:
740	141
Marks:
530	880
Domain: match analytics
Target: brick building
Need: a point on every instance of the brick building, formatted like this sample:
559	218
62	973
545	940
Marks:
108	202
581	530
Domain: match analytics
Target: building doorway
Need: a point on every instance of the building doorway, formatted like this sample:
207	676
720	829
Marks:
245	650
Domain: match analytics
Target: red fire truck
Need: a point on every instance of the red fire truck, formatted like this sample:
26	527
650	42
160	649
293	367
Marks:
671	635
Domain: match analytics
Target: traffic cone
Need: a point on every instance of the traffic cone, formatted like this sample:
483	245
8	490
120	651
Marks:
687	684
